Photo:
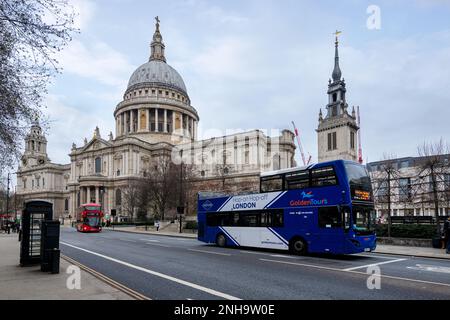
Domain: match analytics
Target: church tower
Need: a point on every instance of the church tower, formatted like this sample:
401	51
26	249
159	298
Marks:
337	131
35	147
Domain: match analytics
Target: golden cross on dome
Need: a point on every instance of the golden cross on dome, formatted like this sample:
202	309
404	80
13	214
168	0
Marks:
157	19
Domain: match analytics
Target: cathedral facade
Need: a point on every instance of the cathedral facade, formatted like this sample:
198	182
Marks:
155	118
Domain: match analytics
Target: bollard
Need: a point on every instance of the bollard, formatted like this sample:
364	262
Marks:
54	260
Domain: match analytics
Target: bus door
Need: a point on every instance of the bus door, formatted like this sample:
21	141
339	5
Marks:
330	231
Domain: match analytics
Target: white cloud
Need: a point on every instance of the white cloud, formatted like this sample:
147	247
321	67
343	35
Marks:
97	61
70	124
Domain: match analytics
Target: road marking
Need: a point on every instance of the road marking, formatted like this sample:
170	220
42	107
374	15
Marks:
111	282
425	267
218	253
283	256
158	274
150	240
374	264
356	272
159	245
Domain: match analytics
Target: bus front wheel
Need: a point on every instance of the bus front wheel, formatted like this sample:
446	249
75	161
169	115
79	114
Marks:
221	241
298	246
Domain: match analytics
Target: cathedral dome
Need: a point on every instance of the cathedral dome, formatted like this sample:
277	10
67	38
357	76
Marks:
157	72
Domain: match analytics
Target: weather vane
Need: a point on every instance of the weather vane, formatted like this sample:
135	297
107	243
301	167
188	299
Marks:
337	33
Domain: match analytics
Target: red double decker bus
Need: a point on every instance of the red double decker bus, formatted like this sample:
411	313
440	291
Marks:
89	218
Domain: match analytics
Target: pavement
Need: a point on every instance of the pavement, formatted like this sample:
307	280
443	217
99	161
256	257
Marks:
162	267
29	283
382	249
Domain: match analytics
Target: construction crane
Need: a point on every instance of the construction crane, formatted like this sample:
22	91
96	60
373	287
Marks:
300	146
360	158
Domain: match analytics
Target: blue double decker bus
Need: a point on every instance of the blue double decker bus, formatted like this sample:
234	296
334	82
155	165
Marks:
321	208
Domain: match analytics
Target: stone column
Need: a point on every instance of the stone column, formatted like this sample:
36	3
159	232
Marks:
156	120
165	121
173	120
97	195
131	121
88	194
148	119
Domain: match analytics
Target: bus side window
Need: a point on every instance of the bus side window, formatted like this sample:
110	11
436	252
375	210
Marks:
269	184
329	217
323	177
297	180
266	220
346	217
277	219
248	220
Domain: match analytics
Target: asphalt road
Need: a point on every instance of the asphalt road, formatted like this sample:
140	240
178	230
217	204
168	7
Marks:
161	267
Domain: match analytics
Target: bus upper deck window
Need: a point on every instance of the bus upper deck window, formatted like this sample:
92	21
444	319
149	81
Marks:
269	184
323	177
297	180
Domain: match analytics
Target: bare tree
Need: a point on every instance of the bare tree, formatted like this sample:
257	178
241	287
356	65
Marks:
386	179
435	165
31	33
131	198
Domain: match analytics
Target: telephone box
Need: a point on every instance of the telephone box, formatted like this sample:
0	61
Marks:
33	216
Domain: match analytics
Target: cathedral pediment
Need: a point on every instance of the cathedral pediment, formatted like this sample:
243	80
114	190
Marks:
95	144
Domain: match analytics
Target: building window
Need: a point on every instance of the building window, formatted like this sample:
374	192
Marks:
118	197
332	141
98	165
118	173
334	97
352	140
66	204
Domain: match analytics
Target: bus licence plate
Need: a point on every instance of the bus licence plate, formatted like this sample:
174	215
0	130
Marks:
367	249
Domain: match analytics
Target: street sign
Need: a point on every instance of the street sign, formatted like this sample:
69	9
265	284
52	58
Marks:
180	210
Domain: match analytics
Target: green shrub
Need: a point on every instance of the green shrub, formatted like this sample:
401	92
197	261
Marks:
191	225
418	231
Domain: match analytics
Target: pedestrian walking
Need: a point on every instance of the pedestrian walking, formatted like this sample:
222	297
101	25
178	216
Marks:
157	225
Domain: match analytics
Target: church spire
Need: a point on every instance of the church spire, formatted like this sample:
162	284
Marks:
157	45
336	71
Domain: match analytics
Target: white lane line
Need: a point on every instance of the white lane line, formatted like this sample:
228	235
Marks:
158	274
374	264
356	272
150	240
203	251
283	256
430	268
159	245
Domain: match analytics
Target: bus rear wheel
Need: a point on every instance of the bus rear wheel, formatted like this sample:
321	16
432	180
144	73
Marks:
221	241
298	246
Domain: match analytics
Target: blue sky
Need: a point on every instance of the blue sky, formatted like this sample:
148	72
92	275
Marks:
261	64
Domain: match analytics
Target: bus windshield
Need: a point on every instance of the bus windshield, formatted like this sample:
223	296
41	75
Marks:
363	218
92	221
359	181
92	208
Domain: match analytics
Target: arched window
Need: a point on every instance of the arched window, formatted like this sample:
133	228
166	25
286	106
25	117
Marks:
66	204
98	165
118	197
